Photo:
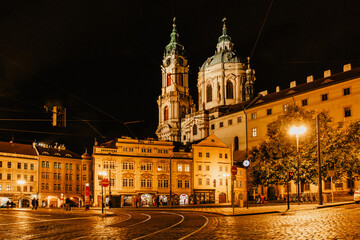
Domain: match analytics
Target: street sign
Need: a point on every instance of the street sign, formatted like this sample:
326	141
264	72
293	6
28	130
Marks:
105	182
233	170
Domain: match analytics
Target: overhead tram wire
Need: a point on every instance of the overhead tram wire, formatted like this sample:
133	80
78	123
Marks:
262	26
70	94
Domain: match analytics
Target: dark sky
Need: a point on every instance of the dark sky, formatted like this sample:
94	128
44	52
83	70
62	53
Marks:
101	59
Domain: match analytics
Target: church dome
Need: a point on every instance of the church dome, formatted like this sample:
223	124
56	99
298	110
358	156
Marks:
224	51
222	57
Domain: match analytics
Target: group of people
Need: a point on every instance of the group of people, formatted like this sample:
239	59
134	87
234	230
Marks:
34	203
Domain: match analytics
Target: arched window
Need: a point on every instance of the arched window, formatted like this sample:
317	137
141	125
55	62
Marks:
194	130
168	79
236	143
229	90
208	93
166	113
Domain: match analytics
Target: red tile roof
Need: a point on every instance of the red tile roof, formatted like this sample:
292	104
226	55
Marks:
17	148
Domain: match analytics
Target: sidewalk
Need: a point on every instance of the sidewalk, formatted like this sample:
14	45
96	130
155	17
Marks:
221	209
265	209
227	210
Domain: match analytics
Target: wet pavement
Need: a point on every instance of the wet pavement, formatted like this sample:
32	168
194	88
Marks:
340	222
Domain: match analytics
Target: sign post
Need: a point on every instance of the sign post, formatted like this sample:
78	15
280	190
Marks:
233	178
104	183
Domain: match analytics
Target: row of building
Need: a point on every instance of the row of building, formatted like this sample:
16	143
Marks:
136	169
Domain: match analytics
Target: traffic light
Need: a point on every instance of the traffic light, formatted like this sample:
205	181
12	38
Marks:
59	116
291	175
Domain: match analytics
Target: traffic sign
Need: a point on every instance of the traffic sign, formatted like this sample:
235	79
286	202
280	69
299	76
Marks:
105	182
233	170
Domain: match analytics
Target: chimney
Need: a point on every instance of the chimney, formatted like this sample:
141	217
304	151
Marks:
292	84
309	79
264	93
327	73
277	89
347	67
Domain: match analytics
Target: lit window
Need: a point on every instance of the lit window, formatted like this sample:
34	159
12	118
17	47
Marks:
180	168
254	132
187	167
285	107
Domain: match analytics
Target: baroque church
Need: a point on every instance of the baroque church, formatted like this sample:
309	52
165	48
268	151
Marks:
224	79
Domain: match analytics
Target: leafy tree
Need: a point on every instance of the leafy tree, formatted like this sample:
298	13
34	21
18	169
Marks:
277	155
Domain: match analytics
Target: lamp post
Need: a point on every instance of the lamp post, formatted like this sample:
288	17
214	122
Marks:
101	176
226	175
297	131
21	183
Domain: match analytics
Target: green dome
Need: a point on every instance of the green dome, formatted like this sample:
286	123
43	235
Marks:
222	57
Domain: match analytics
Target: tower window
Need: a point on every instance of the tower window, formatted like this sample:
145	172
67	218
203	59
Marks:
194	130
168	79
166	113
229	90
208	93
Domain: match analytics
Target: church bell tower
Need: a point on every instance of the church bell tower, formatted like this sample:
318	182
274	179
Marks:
175	100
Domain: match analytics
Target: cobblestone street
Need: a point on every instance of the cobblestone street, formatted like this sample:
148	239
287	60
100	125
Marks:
341	222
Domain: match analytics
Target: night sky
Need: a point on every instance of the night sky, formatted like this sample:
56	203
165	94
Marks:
101	59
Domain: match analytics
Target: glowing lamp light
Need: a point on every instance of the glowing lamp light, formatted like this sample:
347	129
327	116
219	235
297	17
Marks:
297	130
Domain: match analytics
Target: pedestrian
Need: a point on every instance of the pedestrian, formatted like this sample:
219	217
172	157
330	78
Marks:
67	204
157	201
33	203
136	201
36	204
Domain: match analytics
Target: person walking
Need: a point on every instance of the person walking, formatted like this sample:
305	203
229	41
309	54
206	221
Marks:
36	203
33	203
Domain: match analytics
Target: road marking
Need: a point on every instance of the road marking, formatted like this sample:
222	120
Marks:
182	219
205	224
19	216
48	220
149	217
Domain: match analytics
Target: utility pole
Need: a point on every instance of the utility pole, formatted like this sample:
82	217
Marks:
319	159
170	186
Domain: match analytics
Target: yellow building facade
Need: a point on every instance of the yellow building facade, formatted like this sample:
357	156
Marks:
18	174
63	174
212	173
141	171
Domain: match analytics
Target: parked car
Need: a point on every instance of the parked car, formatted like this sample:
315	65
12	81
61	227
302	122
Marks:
357	195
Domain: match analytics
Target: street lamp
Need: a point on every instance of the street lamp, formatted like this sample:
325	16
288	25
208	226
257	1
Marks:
101	176
21	183
297	131
226	175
